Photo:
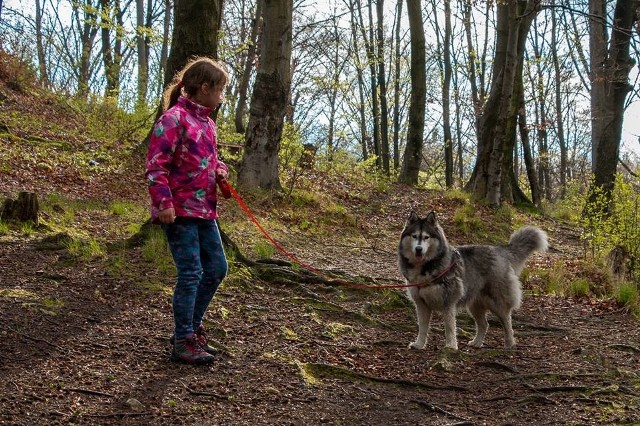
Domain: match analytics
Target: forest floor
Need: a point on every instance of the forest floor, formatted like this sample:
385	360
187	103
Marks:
84	339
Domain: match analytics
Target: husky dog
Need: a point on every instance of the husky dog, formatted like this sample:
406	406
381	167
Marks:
479	277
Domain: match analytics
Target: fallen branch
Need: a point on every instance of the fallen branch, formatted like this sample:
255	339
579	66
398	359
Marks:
89	392
625	348
36	339
117	414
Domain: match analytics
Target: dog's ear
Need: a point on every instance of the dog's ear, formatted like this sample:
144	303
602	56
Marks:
413	217
431	218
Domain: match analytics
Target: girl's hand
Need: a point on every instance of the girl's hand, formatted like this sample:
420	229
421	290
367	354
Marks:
167	216
222	173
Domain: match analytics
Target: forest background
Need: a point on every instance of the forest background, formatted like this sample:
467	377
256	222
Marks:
351	89
85	289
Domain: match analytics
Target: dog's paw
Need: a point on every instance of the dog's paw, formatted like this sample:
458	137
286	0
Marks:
417	345
475	344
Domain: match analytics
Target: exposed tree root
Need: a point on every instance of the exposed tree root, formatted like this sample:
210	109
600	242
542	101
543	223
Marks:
328	370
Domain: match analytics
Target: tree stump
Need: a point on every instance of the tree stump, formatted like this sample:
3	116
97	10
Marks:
24	209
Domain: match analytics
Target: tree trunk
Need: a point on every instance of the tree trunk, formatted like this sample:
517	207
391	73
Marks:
558	102
446	98
415	133
359	72
610	86
112	21
42	63
526	146
260	162
141	48
85	16
396	90
368	43
382	85
23	209
195	32
243	86
488	182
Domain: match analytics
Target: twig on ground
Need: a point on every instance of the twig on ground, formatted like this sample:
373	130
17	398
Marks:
498	366
200	393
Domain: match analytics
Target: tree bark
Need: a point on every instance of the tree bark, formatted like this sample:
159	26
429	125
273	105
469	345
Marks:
260	161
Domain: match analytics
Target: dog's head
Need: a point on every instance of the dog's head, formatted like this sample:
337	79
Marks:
421	238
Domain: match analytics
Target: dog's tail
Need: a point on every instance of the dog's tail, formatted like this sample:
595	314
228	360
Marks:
523	242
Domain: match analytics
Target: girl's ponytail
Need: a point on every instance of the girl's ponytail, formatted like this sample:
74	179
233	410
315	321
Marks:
172	93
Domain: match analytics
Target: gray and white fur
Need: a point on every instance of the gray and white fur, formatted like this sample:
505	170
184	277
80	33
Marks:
482	278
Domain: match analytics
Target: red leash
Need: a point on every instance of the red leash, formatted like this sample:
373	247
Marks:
229	191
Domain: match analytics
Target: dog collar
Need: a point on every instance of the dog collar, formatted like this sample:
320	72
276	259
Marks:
445	272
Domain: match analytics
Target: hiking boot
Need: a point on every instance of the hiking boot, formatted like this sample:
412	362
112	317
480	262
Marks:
201	338
189	350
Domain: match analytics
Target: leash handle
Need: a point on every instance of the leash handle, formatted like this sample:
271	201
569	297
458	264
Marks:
232	191
224	185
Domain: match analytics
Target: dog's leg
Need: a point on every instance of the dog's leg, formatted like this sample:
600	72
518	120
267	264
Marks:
423	313
505	319
449	316
479	315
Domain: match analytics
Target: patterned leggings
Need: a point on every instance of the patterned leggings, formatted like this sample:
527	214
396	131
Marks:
201	265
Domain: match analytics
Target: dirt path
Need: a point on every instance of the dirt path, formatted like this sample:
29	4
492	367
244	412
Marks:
80	345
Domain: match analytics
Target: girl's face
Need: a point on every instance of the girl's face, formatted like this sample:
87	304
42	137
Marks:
210	96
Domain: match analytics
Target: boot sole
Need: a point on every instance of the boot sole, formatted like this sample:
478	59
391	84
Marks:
205	361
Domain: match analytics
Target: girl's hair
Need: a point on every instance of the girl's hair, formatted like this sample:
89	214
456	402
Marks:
198	71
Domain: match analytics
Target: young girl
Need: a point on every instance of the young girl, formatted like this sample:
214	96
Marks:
181	170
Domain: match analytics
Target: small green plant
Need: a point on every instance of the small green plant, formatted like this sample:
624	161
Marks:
555	279
4	228
627	295
121	208
579	287
28	228
264	249
85	249
466	220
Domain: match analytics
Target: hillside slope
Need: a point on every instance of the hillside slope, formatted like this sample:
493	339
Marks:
84	337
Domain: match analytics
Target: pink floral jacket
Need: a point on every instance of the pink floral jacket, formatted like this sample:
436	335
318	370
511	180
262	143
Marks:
182	161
